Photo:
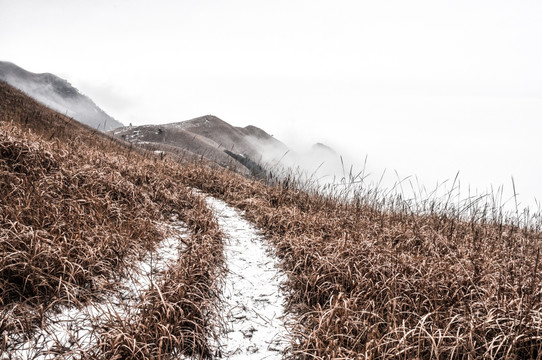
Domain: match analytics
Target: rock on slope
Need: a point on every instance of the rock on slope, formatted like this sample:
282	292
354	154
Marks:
58	94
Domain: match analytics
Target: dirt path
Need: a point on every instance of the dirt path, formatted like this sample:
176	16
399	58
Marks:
253	301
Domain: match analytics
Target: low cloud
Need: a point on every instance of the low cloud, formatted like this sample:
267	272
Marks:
59	95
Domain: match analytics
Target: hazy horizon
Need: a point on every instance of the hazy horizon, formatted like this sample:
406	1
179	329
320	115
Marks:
425	88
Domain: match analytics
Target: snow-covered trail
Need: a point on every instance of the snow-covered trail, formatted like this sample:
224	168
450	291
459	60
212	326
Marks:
74	330
253	300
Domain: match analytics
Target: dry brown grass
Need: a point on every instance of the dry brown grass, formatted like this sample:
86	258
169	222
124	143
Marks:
370	277
76	209
375	280
176	316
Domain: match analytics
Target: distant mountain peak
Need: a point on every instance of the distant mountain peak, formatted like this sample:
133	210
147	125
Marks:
207	120
320	147
210	137
256	132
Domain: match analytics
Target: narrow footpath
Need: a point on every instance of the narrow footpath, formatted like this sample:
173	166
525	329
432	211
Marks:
253	300
73	331
253	303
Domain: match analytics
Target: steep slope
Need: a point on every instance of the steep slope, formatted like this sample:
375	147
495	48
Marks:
58	94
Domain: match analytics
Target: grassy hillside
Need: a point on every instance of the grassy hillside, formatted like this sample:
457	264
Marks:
369	276
378	278
76	209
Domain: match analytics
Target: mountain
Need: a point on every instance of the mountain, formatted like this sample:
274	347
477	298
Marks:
247	150
244	149
323	149
58	94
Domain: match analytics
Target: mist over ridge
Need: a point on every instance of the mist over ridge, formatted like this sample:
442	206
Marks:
58	94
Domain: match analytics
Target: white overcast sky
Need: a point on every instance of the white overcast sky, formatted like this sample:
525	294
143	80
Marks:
426	88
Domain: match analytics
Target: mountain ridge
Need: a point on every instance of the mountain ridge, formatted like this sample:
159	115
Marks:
58	94
242	149
248	150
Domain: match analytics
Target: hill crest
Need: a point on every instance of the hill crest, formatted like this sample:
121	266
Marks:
207	136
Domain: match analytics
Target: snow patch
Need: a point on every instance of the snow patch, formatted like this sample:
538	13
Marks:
253	300
74	330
